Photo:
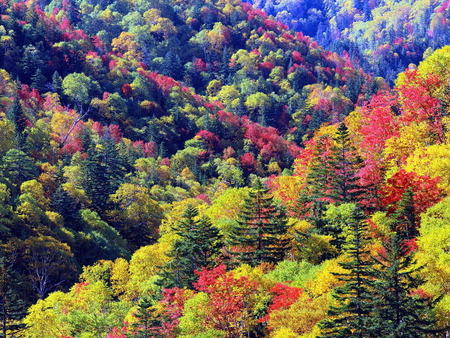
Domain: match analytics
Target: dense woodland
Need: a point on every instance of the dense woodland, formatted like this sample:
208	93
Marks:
224	169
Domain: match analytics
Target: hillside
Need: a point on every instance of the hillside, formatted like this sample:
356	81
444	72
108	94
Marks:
199	169
384	37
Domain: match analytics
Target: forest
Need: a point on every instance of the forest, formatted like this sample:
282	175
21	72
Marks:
224	169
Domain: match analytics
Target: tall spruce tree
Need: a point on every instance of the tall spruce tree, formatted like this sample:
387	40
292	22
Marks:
397	311
17	167
260	233
198	247
148	321
406	222
315	197
104	170
332	179
350	317
12	308
345	187
16	115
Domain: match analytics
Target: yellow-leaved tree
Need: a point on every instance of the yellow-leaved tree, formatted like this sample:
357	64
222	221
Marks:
434	254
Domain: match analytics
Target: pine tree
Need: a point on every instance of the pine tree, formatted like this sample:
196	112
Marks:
172	66
147	320
260	233
398	312
224	65
332	179
39	81
104	171
345	187
405	224
350	316
16	115
16	166
315	197
67	207
56	82
12	308
198	247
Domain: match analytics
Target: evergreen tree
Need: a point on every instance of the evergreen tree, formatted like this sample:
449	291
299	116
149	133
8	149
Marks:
332	179
16	166
398	312
198	247
31	61
224	65
7	216
104	171
67	207
56	82
172	66
260	233
405	224
12	308
350	317
39	81
16	115
315	197
345	165
147	320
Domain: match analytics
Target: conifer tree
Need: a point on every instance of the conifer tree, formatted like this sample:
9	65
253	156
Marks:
405	224
12	308
56	82
39	81
225	70
350	316
172	66
147	320
198	247
333	173
16	166
332	179
345	164
260	233
315	197
67	207
16	115
397	311
104	170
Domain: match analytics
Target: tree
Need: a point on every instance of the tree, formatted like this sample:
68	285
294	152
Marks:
80	87
7	132
49	262
406	222
231	301
12	308
18	167
7	216
104	170
345	187
198	247
399	311
147	320
314	198
135	215
39	80
97	240
67	207
260	234
172	66
16	115
350	317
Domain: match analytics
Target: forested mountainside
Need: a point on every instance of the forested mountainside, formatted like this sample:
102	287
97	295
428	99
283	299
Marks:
384	36
201	169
